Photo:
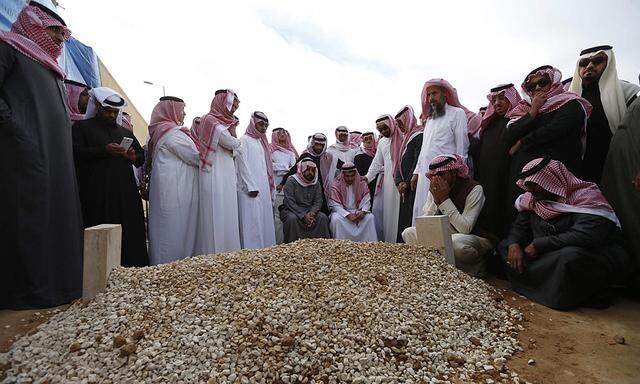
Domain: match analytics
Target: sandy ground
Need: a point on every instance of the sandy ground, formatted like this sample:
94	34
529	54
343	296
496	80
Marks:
568	347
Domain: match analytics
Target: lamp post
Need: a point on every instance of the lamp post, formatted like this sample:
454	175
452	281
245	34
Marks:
164	93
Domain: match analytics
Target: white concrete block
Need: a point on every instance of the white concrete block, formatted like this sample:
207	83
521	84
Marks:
102	245
435	232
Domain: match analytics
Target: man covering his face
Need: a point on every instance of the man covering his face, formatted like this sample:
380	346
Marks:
454	194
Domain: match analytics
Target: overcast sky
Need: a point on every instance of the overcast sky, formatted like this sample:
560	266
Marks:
312	66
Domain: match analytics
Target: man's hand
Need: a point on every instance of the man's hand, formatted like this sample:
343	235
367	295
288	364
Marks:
402	187
252	193
636	182
309	219
414	182
279	188
530	251
515	259
129	155
439	189
352	217
115	149
538	101
361	215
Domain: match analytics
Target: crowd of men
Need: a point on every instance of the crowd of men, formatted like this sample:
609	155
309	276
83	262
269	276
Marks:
541	187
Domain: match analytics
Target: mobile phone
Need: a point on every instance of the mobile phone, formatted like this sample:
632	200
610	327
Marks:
126	143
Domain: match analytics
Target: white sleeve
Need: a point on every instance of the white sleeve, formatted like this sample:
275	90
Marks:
365	203
247	183
278	165
377	165
430	208
465	221
461	134
227	141
185	150
338	208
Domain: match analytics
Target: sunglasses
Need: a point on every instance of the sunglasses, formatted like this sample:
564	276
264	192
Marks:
595	60
533	85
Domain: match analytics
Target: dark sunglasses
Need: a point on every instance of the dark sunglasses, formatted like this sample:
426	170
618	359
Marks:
595	60
533	85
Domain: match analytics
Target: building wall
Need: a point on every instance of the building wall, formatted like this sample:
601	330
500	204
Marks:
140	125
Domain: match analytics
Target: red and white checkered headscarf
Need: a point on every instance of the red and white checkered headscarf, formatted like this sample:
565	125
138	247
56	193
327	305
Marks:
371	148
574	195
480	121
355	139
339	188
124	120
302	167
166	116
395	143
215	122
412	128
254	133
556	97
276	135
450	95
74	89
451	162
28	35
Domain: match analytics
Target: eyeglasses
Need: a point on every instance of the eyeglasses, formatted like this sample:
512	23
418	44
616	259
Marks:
533	85
595	60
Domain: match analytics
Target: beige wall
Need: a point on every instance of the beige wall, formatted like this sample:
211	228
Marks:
140	125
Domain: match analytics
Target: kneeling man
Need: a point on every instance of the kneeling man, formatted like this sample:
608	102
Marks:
562	249
303	198
350	204
454	194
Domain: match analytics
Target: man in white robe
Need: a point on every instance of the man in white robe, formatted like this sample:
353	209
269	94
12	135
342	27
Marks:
256	186
386	160
445	131
342	150
284	157
218	227
173	195
350	204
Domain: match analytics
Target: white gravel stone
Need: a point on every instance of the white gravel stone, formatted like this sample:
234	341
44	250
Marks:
322	311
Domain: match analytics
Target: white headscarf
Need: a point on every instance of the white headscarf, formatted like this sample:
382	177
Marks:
106	97
613	92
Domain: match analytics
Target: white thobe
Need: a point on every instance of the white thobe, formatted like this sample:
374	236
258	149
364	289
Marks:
346	156
256	213
468	249
173	199
218	227
282	163
391	197
343	229
443	135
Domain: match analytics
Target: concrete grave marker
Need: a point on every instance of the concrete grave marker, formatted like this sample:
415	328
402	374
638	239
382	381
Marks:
102	245
435	232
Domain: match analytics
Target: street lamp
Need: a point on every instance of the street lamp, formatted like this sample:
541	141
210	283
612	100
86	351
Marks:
164	93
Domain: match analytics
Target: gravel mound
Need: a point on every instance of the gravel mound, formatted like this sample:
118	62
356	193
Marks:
322	311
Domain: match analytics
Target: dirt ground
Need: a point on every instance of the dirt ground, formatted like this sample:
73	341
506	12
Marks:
576	347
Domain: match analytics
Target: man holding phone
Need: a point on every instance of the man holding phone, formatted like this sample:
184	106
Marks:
104	152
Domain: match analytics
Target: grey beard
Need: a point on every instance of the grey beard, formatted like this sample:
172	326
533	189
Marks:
436	110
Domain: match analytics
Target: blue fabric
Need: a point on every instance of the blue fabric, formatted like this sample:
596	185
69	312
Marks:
9	10
79	61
